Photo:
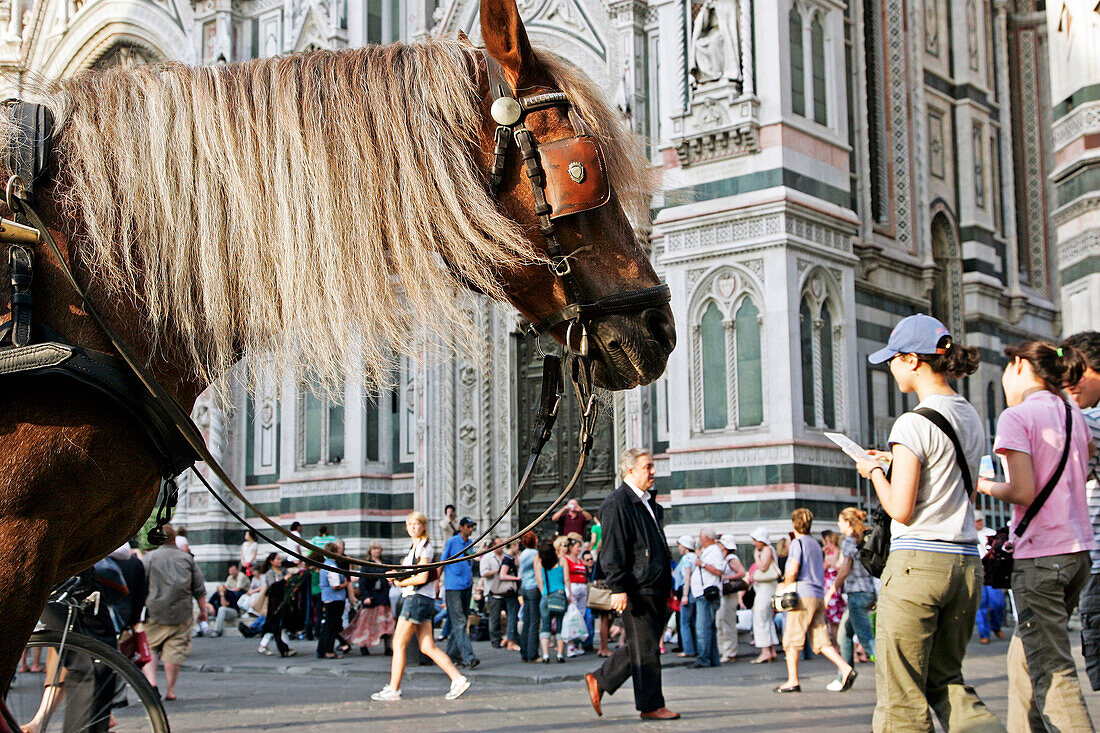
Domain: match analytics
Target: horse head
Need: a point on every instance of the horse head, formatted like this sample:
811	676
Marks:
564	166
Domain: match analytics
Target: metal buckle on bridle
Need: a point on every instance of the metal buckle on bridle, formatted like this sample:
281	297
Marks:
560	266
12	198
582	349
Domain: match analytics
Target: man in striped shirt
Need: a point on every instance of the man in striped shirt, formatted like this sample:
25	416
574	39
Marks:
1086	392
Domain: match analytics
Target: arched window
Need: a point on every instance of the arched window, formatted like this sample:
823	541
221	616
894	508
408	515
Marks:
320	429
817	56
798	70
828	369
715	393
806	333
750	393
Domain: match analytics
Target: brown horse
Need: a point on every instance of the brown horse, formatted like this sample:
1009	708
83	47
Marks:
319	208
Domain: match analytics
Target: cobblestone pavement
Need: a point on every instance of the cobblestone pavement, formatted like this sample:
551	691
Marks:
227	686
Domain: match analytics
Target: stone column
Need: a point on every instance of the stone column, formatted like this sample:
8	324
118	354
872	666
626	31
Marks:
628	17
748	88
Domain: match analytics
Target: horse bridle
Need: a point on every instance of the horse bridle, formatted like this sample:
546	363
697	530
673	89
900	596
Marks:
578	157
567	177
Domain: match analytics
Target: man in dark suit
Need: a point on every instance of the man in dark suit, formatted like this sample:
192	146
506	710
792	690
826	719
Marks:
636	564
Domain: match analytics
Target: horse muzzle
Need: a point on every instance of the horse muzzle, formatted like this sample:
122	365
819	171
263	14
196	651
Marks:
632	350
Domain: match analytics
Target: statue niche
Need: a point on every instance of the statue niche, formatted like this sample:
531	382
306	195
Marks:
715	44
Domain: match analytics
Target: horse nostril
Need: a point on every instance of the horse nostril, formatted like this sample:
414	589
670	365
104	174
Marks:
661	327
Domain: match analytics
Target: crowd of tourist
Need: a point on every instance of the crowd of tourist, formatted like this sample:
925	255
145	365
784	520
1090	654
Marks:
542	597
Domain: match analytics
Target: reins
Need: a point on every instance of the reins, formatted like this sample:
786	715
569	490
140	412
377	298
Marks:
575	365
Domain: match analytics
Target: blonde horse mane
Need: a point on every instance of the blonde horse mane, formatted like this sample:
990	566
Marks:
303	206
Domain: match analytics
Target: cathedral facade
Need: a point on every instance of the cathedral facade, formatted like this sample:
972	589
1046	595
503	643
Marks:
826	169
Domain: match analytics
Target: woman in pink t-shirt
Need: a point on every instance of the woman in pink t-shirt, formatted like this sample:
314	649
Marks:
1052	558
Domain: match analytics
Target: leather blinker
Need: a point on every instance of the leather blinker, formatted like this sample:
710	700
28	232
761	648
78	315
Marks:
576	179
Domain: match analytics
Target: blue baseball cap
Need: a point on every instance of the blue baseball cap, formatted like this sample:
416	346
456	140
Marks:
919	334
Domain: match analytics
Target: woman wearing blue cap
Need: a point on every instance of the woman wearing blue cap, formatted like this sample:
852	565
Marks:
931	586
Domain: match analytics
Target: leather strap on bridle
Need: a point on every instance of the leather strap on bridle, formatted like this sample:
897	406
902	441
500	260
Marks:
576	309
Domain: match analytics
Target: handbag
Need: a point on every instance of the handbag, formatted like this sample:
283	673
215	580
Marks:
712	593
874	548
999	561
734	586
599	596
556	601
767	576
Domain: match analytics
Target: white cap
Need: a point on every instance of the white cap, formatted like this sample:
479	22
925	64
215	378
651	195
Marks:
728	542
181	542
123	552
687	541
761	534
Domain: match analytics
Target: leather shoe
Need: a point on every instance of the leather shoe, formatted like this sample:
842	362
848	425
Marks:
594	693
660	714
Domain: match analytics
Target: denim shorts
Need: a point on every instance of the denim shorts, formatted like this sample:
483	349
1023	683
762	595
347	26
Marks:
417	608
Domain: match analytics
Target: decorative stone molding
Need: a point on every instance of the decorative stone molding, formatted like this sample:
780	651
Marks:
717	131
1077	248
817	233
1075	209
726	232
1083	120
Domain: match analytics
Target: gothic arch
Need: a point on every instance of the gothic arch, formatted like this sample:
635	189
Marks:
821	335
97	29
727	354
945	291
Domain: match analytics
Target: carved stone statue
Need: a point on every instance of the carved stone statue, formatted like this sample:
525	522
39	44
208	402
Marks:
715	43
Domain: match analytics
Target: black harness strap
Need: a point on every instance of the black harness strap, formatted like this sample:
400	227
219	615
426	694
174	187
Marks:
21	261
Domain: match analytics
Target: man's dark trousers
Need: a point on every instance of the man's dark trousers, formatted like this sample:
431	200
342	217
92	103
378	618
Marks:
495	606
459	648
643	621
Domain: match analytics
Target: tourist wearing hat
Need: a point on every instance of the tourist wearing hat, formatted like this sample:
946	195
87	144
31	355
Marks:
726	619
932	582
764	576
458	582
681	577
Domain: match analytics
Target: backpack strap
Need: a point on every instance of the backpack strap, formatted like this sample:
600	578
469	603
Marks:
1037	504
960	457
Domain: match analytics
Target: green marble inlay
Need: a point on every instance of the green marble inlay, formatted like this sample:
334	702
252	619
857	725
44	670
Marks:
756	182
1088	266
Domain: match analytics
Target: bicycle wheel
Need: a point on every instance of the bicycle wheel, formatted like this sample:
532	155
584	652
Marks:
87	686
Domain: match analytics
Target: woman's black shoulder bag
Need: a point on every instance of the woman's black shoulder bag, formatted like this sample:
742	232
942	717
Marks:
874	548
999	560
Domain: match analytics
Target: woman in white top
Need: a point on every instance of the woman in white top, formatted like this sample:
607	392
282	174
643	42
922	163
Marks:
764	576
249	549
932	582
418	606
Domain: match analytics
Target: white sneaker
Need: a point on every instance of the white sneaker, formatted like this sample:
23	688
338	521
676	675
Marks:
387	694
835	686
458	687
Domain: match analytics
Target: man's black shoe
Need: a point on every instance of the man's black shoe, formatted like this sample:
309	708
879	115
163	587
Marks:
474	662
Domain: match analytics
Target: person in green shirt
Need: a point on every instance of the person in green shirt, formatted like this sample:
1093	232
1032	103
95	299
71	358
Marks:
597	534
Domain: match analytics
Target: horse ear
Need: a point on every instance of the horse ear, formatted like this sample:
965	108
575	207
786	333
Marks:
506	39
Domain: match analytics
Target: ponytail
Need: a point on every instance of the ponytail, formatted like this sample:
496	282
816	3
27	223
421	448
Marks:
856	518
1055	366
956	360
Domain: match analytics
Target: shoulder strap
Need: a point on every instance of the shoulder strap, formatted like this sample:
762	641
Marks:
1036	505
960	457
